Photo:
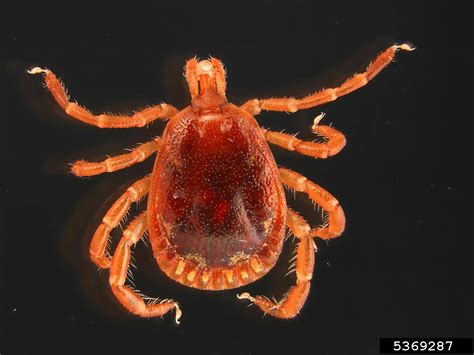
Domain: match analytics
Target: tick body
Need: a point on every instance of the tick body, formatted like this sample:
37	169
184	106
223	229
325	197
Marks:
215	200
216	212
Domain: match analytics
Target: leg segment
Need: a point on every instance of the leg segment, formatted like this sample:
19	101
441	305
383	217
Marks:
321	97
137	155
219	72
138	119
190	72
130	299
292	303
112	218
336	220
335	141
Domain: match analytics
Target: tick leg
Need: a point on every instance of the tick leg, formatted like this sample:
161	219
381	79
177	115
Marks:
130	299
336	220
138	119
137	155
327	95
292	303
294	300
112	218
335	141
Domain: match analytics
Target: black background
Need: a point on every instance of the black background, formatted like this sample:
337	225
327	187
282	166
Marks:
402	268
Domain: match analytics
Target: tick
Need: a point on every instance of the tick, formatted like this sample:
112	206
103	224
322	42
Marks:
216	211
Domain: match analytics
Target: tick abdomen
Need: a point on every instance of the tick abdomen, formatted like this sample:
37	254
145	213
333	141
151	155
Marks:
217	195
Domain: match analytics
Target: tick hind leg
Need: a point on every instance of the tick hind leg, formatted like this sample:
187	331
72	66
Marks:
321	97
138	119
335	141
133	301
294	300
98	247
137	155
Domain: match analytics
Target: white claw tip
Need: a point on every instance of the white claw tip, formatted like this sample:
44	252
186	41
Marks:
178	313
36	70
317	119
406	47
245	296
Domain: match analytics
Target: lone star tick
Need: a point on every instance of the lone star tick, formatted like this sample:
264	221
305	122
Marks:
216	211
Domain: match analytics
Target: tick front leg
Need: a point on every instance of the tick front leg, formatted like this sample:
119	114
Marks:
336	220
138	119
98	247
321	97
137	155
294	300
335	141
129	298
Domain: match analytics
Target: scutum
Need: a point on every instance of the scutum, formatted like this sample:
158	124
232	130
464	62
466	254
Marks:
216	192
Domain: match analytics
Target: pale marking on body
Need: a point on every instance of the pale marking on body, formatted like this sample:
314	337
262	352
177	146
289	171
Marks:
238	257
205	277
191	275
229	274
180	267
168	227
267	224
201	261
255	264
244	275
250	160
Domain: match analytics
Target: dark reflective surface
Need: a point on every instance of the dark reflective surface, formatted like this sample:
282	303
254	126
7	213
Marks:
402	268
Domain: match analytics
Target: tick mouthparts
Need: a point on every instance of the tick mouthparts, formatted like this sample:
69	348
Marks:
205	67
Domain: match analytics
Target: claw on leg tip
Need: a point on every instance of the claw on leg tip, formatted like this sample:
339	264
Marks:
245	296
178	314
317	119
37	70
406	47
